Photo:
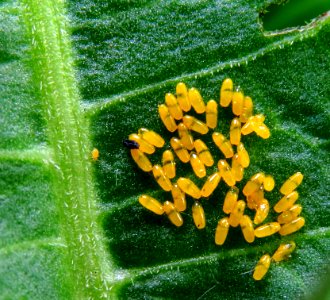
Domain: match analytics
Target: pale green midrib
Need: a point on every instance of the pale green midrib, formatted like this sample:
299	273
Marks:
306	32
138	272
86	265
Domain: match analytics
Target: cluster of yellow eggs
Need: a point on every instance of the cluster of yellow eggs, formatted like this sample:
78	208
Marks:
195	151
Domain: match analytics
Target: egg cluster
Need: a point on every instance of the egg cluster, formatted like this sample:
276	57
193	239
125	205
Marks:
230	169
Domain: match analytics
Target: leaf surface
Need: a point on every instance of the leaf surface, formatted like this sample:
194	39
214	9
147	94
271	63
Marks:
73	228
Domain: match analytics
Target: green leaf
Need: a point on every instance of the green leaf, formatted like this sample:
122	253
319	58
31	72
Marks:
88	74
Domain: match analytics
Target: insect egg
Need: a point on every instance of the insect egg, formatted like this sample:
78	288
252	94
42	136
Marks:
168	164
237	102
141	160
236	168
151	137
221	231
226	172
95	154
237	213
247	109
173	215
262	267
243	155
286	202
269	183
267	229
204	153
187	186
262	212
283	251
230	200
210	184
292	226
223	144
182	96
198	215
195	124
196	100
253	184
247	228
235	131
161	178
186	138
144	146
212	114
226	92
166	118
173	106
179	198
180	150
292	183
290	214
151	204
197	165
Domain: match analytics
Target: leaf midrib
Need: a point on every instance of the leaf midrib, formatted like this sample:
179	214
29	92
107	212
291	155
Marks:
88	269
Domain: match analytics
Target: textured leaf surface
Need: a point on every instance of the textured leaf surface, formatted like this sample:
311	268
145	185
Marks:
62	238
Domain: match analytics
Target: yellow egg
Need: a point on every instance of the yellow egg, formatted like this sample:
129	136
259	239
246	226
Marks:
286	202
197	165
141	160
262	212
237	102
223	144
211	184
187	186
262	267
179	198
196	100
173	215
95	154
247	109
198	215
173	106
235	131
292	226
230	200
144	146
290	214
236	168
267	229
181	152
151	137
168	164
292	183
237	213
226	172
185	137
212	114
182	96
151	204
221	231
243	155
226	92
161	178
194	124
247	228
204	153
166	118
283	251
